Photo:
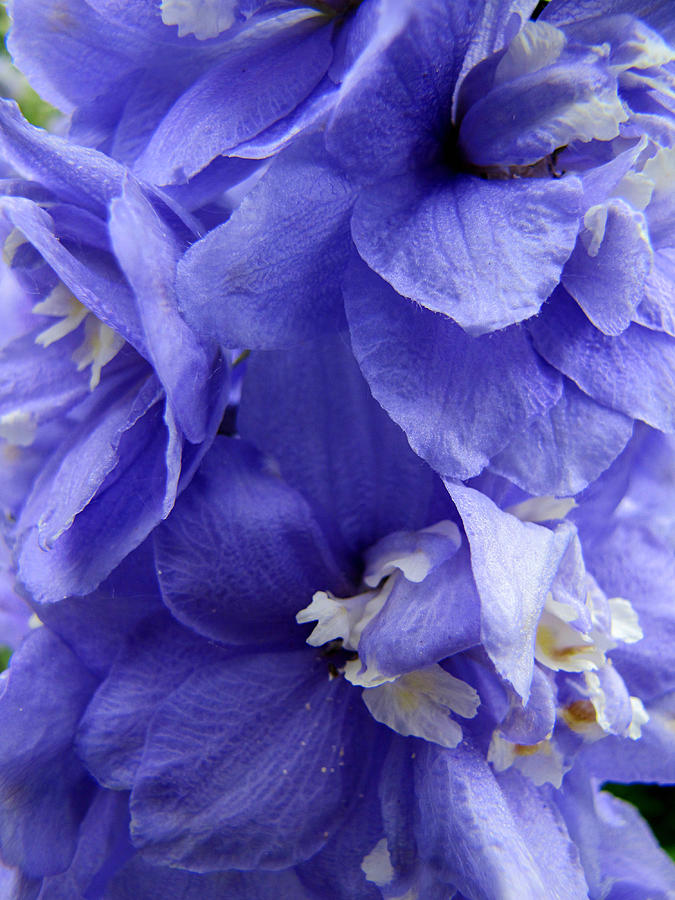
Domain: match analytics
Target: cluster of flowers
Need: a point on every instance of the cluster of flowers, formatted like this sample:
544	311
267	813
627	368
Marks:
337	374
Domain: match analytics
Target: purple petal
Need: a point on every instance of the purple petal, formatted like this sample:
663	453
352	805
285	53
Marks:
82	176
39	383
490	837
656	12
61	492
94	626
608	282
44	788
312	410
615	844
566	448
88	273
513	565
217	789
250	90
158	657
130	501
270	275
632	372
525	118
649	759
242	552
103	845
148	254
141	879
442	613
458	398
336	871
485	253
631	563
657	310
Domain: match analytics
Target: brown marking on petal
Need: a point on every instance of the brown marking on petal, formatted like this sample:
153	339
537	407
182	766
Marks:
579	715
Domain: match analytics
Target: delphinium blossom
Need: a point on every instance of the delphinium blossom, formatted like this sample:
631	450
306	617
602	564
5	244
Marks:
438	731
492	227
335	390
99	375
176	86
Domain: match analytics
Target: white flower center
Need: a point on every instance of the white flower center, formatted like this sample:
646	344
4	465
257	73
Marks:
415	703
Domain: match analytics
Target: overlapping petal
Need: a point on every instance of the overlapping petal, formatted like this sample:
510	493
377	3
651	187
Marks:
466	247
458	398
226	794
244	551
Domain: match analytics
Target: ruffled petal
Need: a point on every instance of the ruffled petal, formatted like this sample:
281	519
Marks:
607	271
485	253
270	276
566	448
632	373
458	398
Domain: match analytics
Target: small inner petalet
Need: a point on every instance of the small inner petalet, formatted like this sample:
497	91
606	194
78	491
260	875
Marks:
453	158
543	168
205	19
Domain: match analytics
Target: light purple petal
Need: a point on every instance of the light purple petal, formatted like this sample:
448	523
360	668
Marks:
608	281
458	398
270	276
633	372
513	565
566	448
491	838
485	253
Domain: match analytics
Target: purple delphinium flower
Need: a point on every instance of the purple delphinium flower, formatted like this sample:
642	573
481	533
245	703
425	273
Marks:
301	659
107	399
478	618
234	79
495	204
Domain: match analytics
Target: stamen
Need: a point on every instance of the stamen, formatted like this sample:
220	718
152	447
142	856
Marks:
100	345
60	303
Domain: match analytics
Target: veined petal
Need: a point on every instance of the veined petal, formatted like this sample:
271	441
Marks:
458	398
419	704
233	801
513	564
429	237
243	552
